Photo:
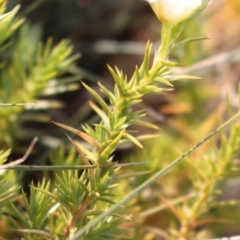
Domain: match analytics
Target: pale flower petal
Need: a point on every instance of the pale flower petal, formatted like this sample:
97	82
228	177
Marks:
174	11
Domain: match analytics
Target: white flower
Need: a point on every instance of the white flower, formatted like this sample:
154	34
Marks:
174	11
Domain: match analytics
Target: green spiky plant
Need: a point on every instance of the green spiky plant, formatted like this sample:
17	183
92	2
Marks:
84	197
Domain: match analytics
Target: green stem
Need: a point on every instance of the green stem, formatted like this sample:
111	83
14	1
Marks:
163	51
64	167
165	37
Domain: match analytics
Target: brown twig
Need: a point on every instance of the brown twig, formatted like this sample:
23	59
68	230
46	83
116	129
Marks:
21	160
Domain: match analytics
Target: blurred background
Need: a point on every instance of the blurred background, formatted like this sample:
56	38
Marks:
115	33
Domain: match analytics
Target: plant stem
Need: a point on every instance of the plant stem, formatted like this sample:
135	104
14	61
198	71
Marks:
165	37
163	50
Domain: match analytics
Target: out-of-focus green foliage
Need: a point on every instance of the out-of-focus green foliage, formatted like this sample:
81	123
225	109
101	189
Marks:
190	195
8	188
27	68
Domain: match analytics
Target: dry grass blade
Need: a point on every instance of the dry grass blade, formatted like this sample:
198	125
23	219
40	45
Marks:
83	135
21	160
